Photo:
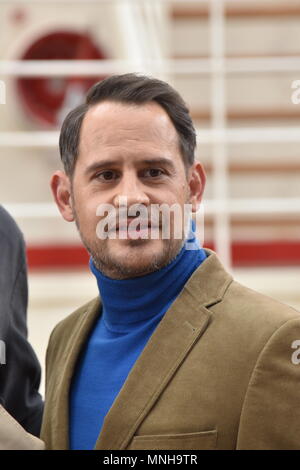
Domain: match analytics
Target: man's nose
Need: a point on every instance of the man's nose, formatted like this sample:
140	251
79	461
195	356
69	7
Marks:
130	191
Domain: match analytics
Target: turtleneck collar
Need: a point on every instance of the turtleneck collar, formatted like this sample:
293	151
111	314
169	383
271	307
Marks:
132	301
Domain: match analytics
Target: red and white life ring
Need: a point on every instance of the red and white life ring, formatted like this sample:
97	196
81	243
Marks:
44	97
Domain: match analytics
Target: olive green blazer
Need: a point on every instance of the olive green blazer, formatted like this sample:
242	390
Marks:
221	371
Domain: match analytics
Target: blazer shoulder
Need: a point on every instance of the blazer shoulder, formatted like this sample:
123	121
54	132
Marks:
232	300
250	305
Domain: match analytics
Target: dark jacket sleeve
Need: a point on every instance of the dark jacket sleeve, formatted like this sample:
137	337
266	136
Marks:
19	368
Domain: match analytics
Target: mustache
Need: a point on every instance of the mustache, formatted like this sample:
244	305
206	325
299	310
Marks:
122	220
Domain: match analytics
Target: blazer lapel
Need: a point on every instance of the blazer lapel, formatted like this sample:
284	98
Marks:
73	347
182	325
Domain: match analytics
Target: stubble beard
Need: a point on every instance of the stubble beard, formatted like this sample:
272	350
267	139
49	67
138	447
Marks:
111	267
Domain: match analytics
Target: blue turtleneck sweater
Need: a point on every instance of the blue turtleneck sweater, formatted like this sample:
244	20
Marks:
131	310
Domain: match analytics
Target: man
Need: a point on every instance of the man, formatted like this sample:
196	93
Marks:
20	401
173	354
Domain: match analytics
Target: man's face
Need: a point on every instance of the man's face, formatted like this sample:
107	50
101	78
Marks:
130	153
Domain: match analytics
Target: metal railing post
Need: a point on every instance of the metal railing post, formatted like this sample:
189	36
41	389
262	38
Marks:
222	235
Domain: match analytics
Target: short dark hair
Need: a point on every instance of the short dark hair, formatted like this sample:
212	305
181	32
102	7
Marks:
132	89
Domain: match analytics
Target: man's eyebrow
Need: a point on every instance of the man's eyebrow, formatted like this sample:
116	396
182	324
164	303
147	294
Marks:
100	164
147	161
158	161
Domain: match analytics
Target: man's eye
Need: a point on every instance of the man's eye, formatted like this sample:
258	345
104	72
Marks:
153	172
105	175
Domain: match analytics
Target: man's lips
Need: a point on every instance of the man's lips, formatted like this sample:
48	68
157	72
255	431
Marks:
142	225
136	229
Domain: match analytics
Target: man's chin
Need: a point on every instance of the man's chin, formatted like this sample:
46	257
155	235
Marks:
133	258
129	268
123	259
136	252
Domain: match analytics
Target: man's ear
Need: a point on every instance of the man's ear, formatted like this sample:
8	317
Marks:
61	189
197	180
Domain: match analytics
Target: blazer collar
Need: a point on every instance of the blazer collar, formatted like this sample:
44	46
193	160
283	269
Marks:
209	281
182	325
